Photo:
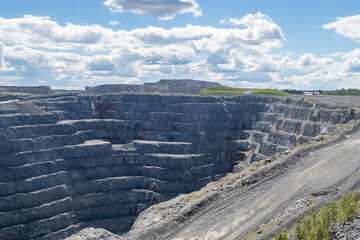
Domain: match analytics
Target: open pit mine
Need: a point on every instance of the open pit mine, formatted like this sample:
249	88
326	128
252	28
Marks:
100	159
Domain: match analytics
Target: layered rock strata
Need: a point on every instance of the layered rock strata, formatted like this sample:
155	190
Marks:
26	89
98	161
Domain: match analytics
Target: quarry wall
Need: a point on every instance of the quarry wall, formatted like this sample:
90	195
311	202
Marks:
99	160
25	89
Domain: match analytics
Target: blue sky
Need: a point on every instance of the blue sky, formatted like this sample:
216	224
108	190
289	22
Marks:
266	44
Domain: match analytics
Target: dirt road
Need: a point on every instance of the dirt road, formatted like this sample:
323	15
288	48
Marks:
238	214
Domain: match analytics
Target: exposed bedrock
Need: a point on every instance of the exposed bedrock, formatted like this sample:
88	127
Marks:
98	161
26	89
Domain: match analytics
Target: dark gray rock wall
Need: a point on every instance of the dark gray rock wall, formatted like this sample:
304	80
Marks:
26	89
98	161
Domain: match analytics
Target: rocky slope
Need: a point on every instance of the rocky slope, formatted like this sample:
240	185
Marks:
100	160
347	231
179	86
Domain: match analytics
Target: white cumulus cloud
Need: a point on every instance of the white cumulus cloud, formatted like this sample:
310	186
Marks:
307	59
4	66
42	32
114	23
352	61
258	26
347	27
101	63
1	55
164	9
34	49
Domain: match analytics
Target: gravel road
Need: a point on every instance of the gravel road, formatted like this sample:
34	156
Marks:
238	214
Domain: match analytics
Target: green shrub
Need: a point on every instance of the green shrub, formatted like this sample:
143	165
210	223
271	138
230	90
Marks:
300	232
348	207
282	236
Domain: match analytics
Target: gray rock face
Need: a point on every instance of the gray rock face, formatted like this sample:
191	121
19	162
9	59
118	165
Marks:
347	231
98	161
32	90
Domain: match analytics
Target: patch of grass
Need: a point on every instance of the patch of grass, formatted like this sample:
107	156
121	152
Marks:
272	92
192	196
239	186
282	236
264	228
317	225
154	91
250	236
320	137
222	90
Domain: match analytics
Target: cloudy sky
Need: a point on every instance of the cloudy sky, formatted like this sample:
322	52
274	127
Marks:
259	43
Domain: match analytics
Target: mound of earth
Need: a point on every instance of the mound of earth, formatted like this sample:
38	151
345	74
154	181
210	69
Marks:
93	234
176	86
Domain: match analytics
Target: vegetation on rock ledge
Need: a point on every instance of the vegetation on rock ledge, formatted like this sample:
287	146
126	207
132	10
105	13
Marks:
222	90
272	92
318	225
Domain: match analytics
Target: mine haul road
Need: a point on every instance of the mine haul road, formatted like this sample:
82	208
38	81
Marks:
240	213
